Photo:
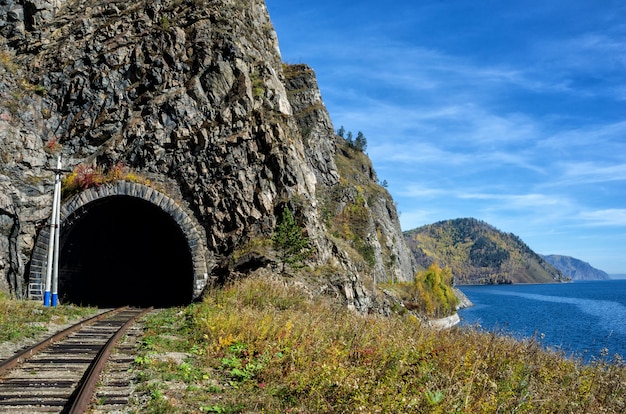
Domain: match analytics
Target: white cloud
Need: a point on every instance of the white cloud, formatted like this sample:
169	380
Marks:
519	201
421	192
589	52
416	218
607	217
590	173
607	138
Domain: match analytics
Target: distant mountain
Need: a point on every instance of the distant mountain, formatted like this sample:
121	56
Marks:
478	253
574	268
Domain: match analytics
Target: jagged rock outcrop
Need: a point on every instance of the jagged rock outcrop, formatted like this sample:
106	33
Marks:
194	96
347	184
313	121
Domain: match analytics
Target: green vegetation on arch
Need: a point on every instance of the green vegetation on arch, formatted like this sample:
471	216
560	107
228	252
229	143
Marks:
85	176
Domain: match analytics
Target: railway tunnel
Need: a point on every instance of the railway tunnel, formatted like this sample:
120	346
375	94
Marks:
124	250
127	244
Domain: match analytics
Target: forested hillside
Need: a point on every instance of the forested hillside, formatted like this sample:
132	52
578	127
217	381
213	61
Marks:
575	268
478	253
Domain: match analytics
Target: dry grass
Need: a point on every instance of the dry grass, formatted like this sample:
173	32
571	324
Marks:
21	319
84	176
261	346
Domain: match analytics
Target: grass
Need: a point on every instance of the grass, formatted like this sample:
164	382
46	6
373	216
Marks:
259	345
25	319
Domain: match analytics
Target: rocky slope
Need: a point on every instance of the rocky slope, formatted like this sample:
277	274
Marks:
574	268
478	253
192	95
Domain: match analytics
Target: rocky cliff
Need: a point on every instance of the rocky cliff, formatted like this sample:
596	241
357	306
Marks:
193	97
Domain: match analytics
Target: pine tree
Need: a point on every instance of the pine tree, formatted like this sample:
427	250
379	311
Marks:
349	139
360	142
289	241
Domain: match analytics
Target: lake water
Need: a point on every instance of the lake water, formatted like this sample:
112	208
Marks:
581	318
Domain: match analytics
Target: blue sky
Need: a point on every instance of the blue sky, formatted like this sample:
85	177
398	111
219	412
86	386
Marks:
510	112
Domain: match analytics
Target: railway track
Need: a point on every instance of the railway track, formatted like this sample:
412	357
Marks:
60	373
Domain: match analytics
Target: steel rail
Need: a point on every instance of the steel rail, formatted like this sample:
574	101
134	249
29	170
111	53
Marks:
85	390
29	352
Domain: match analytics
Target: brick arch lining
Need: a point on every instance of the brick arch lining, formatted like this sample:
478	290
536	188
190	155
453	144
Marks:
193	232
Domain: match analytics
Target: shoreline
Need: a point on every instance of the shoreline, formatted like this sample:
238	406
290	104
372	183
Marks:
445	323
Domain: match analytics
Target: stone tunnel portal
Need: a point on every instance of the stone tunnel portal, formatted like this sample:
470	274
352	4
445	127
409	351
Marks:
124	251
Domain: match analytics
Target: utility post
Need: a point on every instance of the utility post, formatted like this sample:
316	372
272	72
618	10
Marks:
52	270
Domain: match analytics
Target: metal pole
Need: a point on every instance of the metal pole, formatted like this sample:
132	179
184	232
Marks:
46	297
57	227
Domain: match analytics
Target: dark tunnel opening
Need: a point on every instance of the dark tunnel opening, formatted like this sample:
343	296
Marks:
124	251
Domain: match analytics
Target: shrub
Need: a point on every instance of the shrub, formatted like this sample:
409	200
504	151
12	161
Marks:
430	293
84	176
433	291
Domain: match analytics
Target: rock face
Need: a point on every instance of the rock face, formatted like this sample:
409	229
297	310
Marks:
348	184
575	269
192	96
